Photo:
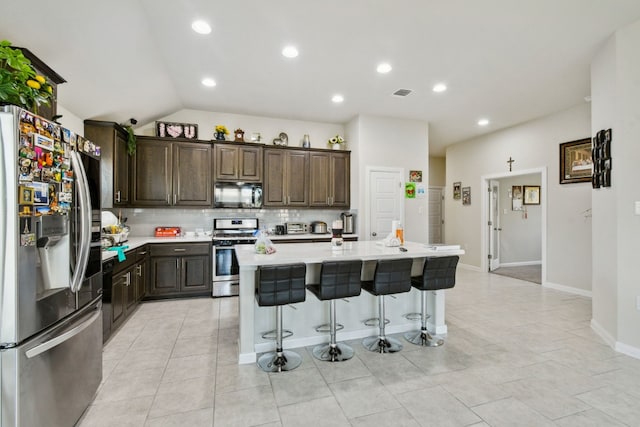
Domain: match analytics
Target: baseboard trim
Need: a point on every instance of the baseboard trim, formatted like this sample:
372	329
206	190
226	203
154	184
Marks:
568	289
469	267
519	264
247	358
623	348
628	350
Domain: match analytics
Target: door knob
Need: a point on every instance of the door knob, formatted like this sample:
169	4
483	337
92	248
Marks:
374	234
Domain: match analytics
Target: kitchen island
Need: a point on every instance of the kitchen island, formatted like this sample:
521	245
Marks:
303	318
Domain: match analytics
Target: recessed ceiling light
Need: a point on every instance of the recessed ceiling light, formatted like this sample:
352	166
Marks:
383	68
440	87
201	27
290	52
337	98
208	82
483	122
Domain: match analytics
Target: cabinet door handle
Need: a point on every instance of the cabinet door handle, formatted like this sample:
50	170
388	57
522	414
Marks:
143	253
118	196
139	270
179	250
175	199
168	199
127	279
177	264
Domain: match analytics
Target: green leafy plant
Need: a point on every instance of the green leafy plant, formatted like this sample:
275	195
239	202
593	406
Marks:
19	82
131	140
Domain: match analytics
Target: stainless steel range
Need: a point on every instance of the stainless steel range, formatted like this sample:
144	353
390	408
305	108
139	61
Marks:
226	233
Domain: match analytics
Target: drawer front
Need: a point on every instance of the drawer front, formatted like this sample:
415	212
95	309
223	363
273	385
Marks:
181	249
118	267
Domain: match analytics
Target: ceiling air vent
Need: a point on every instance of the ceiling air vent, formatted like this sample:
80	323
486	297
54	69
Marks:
402	92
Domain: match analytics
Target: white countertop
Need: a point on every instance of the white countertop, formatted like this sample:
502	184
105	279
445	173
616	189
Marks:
317	252
136	242
306	236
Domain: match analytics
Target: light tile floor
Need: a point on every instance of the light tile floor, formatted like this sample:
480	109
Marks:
517	354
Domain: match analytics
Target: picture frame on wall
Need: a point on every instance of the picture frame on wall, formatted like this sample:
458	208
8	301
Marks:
516	197
531	195
576	161
177	130
456	190
466	195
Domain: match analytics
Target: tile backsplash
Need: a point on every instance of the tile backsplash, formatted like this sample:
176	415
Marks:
144	221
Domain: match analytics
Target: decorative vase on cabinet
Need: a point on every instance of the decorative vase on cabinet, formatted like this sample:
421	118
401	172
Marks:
336	146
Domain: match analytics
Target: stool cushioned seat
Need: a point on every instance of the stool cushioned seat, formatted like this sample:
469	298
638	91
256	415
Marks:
437	273
392	276
279	285
338	279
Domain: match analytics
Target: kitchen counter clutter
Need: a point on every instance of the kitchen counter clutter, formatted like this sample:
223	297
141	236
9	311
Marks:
306	316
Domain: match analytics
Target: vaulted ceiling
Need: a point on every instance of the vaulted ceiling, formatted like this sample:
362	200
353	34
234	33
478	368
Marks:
507	60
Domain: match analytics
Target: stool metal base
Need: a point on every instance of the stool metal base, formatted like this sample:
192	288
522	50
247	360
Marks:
423	338
338	352
278	361
382	344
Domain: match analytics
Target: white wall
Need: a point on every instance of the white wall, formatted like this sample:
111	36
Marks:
268	127
437	171
70	120
615	77
520	238
398	143
533	145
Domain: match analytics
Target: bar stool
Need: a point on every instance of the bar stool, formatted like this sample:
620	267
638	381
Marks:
392	276
279	285
338	279
438	273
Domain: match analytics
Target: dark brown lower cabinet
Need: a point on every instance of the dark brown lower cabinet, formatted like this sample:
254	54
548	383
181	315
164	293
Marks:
128	286
180	270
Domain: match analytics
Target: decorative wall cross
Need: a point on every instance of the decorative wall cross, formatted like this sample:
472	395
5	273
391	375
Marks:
510	161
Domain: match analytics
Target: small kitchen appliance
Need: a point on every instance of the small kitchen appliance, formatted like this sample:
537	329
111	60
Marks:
348	222
319	227
296	228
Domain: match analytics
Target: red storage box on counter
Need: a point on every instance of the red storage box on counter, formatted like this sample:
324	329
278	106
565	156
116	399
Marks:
168	231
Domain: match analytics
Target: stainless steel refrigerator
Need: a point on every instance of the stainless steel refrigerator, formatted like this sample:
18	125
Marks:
50	272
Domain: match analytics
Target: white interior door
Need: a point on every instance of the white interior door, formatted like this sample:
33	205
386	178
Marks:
386	201
494	224
436	197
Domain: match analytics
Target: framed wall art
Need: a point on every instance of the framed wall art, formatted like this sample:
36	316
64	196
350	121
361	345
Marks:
576	163
531	195
516	197
177	130
456	190
466	195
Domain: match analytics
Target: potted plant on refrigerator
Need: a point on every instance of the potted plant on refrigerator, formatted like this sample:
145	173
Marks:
19	83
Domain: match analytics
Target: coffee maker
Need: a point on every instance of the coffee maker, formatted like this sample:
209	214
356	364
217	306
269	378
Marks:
348	222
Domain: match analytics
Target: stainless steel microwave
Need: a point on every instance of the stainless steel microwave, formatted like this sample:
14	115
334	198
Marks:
237	195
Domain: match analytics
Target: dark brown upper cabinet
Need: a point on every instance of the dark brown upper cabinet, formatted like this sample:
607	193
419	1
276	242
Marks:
329	179
167	173
286	177
114	161
238	162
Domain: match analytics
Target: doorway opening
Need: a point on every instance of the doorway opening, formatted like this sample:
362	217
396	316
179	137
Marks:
514	230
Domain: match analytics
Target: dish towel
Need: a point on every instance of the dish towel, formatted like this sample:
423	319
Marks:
120	251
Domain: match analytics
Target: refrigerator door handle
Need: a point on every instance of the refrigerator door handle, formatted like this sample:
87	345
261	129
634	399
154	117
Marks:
48	345
84	199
